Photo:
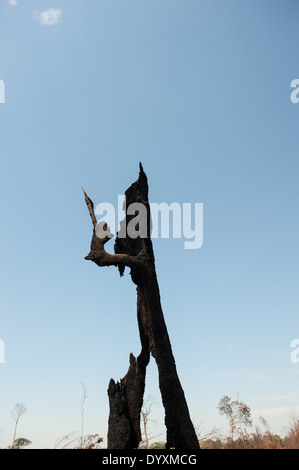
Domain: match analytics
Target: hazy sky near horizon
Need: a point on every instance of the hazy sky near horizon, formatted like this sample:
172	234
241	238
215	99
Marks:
199	92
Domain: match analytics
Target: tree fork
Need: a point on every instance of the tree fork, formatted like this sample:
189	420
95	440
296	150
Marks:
126	397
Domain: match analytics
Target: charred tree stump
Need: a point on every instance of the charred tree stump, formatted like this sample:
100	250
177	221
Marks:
126	396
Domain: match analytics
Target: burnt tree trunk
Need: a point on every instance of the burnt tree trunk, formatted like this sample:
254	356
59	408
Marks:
126	397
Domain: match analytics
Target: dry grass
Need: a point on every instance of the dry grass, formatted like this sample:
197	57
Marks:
258	439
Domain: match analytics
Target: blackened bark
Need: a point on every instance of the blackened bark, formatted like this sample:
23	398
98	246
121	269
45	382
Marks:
126	397
125	402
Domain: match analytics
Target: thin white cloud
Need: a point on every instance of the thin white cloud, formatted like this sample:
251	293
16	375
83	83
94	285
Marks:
12	3
49	17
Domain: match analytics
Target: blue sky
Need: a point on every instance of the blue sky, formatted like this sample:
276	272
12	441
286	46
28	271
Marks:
199	91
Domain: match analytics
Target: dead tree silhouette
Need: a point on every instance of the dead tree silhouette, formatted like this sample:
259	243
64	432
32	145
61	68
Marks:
126	396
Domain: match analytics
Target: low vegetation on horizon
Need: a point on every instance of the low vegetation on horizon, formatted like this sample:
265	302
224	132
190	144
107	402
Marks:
242	433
